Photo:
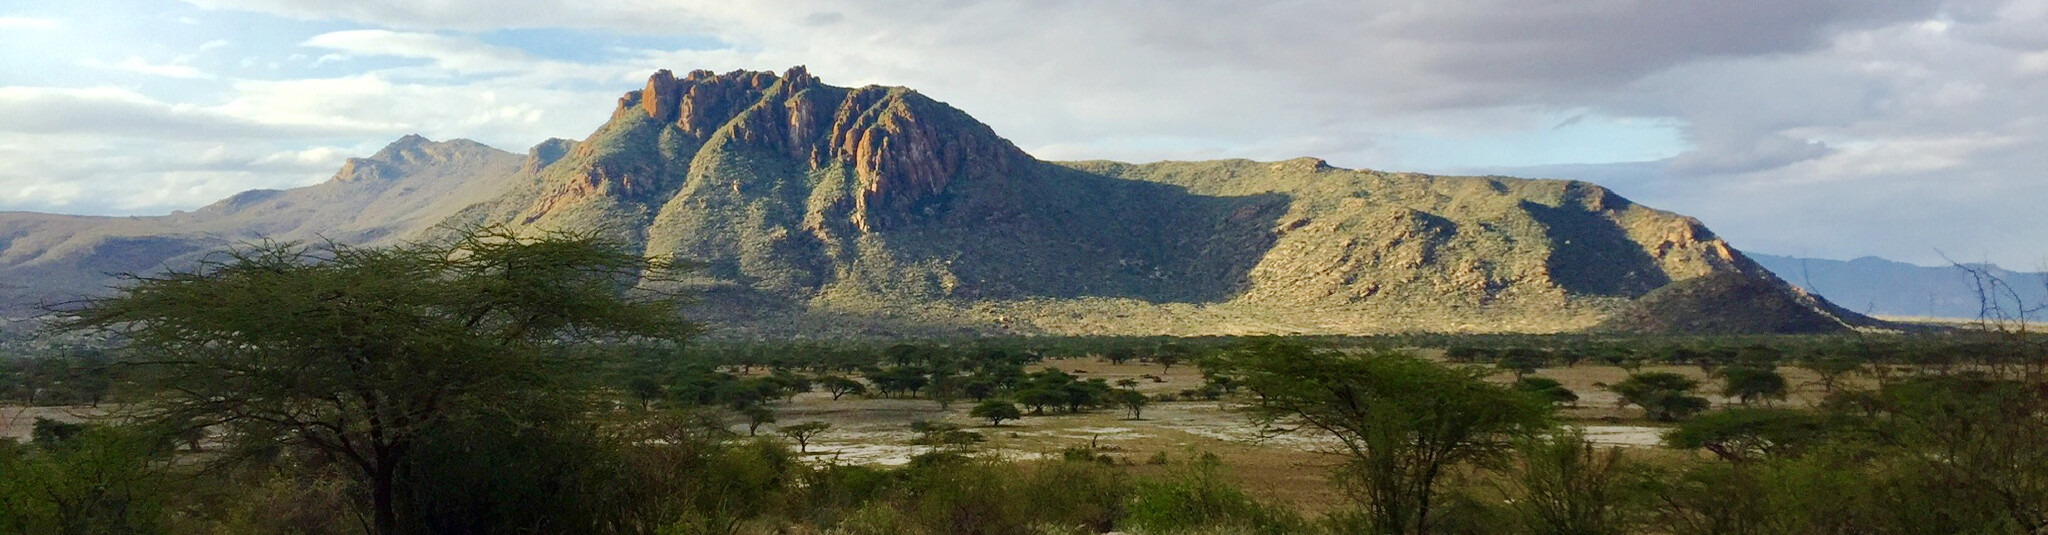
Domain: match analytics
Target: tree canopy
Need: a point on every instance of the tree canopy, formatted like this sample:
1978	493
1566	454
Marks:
1402	421
359	352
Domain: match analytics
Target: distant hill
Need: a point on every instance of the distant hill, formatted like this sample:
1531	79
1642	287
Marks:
1726	303
1873	285
822	210
409	186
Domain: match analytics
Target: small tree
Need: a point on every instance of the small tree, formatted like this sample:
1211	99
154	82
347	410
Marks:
1569	486
1167	357
945	389
1038	398
1131	400
1664	396
1743	434
757	415
1549	389
1831	369
1522	361
995	411
1749	384
840	386
645	390
942	436
1403	422
803	433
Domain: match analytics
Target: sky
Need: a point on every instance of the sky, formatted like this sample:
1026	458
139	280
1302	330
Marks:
1912	130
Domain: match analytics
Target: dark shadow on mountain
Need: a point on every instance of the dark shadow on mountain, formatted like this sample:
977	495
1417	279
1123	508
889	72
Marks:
1591	255
1057	232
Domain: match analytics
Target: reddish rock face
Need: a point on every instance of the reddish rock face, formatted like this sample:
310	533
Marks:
659	98
903	149
904	155
703	101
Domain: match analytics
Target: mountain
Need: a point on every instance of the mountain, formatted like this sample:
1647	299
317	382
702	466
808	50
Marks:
401	191
816	209
1874	285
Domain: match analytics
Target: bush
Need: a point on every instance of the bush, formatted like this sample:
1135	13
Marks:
1199	496
102	479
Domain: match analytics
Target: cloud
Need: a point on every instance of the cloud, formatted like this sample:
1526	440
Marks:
136	64
454	55
508	115
647	16
28	23
141	177
122	113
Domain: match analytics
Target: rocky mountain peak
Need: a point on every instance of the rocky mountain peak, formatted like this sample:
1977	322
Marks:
409	144
409	153
365	169
546	153
701	102
901	150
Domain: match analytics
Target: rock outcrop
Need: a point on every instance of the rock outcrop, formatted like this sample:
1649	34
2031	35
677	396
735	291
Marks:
903	150
545	154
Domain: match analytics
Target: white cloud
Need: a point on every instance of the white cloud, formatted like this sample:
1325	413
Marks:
136	64
651	16
511	117
28	23
116	112
155	176
455	55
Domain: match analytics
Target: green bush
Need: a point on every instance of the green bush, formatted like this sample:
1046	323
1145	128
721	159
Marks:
101	479
1199	497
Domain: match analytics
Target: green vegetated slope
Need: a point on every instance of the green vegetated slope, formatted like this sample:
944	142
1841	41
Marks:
823	210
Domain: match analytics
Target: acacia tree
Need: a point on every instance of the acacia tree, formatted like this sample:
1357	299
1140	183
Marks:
803	433
995	411
840	386
1403	422
357	353
1664	396
1131	400
1752	384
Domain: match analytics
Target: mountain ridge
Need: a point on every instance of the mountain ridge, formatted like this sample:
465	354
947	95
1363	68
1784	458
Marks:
877	210
1880	286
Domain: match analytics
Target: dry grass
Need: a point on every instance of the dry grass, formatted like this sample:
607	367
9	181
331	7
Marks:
1285	469
17	423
